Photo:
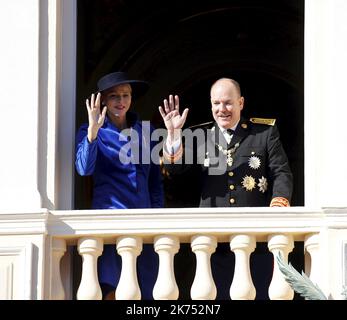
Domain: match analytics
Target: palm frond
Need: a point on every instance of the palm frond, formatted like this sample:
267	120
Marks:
299	283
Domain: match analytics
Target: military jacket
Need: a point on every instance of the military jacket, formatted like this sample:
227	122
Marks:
248	172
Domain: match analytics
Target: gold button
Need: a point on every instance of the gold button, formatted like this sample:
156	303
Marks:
232	200
231	187
230	173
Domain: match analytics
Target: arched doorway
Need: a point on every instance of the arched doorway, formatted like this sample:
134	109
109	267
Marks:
182	48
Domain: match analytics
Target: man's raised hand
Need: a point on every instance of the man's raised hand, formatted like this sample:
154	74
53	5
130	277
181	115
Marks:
171	115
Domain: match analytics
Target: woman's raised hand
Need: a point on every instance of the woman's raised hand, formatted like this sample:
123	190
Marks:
95	117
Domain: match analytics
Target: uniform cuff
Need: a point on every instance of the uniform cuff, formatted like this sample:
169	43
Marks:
279	202
174	157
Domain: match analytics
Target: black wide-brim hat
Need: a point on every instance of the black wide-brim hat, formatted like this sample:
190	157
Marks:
138	87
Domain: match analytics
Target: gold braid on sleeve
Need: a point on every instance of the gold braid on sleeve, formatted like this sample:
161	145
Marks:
279	202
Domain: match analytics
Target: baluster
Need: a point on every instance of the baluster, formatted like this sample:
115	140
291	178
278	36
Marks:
90	249
203	287
279	289
242	287
165	287
312	247
128	287
58	250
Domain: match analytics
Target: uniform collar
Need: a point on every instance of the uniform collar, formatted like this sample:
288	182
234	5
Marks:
241	131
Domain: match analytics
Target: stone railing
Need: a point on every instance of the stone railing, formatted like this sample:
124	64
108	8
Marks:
324	233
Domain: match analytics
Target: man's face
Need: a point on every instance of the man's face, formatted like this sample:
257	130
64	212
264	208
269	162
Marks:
118	99
226	104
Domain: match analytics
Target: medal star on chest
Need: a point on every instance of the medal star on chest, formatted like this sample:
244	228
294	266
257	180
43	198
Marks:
262	184
248	182
254	162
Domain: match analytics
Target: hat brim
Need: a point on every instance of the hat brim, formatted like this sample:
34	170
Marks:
138	87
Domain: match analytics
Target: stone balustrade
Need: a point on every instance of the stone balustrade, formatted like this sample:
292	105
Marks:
56	233
242	236
203	287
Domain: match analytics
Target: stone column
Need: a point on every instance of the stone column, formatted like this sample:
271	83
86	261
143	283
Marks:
165	287
203	287
242	287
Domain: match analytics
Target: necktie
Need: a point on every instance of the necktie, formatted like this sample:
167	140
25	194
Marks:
230	132
228	135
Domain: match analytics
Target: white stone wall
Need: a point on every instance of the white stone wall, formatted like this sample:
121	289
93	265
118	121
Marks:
19	83
325	103
37	85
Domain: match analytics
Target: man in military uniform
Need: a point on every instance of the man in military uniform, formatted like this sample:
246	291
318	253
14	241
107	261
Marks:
243	162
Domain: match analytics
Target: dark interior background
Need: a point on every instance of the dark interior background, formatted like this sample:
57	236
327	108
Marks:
182	47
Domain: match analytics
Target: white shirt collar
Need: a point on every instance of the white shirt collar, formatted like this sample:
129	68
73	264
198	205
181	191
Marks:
225	130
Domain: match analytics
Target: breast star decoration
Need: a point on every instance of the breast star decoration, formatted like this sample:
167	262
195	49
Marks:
248	182
254	162
262	184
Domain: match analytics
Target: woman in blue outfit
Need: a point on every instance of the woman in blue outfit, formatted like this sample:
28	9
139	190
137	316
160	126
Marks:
115	147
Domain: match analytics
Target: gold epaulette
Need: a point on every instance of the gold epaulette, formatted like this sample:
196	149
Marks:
269	122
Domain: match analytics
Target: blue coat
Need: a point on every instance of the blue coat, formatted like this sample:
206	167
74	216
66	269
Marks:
124	177
116	184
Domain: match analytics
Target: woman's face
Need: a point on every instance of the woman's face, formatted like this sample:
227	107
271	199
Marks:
117	99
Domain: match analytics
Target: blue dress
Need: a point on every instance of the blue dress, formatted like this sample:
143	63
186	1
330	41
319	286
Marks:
124	177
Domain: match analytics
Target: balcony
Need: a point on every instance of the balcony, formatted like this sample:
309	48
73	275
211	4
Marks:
36	256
